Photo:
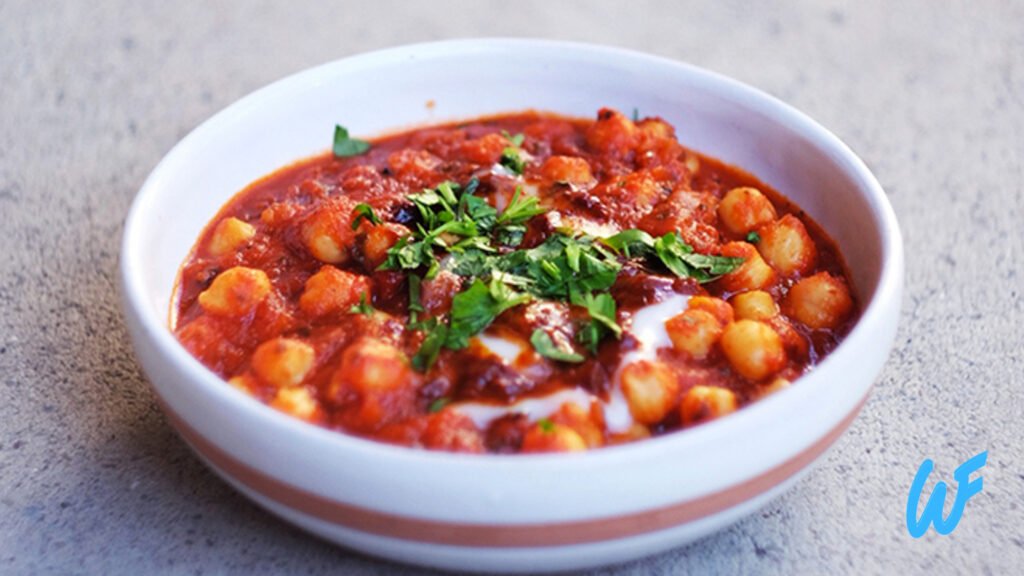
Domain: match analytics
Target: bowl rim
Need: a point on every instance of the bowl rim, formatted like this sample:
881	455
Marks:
887	287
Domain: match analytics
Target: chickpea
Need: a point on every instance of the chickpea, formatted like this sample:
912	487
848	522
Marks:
205	337
657	128
373	386
547	436
694	332
283	362
279	214
453	431
586	423
229	235
651	389
378	239
416	167
744	209
819	302
613	133
786	246
793	342
753	274
692	162
718	308
631	434
364	180
567	170
370	365
244	382
703	403
235	292
774	386
753	349
296	401
754	305
485	150
327	232
331	291
635	190
688	213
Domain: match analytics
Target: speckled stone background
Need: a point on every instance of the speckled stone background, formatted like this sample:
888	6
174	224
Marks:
92	94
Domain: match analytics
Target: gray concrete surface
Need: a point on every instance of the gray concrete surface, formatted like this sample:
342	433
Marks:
92	94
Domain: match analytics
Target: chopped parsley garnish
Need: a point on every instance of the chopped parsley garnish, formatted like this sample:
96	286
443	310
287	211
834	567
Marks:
344	146
463	234
425	357
516	140
601	309
438	405
627	239
511	159
519	209
511	156
679	257
475	308
753	237
364	212
674	254
363	307
546	347
415	307
546	426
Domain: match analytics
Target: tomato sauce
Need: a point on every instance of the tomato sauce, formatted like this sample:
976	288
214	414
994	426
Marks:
317	326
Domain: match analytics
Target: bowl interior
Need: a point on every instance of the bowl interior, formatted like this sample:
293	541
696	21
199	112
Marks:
385	91
390	90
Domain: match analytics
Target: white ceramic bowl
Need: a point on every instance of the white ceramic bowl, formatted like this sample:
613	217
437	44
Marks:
500	513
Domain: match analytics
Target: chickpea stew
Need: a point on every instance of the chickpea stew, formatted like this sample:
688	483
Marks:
519	283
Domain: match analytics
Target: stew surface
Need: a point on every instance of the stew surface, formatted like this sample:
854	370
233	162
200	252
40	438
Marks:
519	283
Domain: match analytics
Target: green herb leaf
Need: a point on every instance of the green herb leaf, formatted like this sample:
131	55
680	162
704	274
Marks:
682	261
476	307
364	212
573	252
601	308
520	209
546	426
544	346
589	336
516	140
511	156
414	293
560	266
438	405
477	209
629	242
406	255
426	356
511	234
511	159
415	307
363	307
432	269
471	263
345	146
753	237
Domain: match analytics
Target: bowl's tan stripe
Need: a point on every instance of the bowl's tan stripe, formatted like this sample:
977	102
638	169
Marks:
502	535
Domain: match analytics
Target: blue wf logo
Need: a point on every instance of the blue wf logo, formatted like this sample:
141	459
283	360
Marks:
965	488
